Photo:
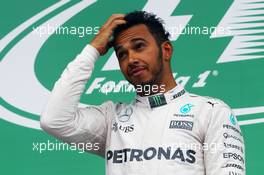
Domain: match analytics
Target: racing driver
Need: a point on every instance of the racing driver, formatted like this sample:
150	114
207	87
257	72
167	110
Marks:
165	129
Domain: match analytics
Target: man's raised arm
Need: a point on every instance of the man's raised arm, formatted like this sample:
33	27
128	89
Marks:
62	117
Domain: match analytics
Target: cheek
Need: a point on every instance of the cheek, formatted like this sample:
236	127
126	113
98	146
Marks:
123	68
154	62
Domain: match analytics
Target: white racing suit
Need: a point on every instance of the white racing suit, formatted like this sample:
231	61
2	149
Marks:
175	133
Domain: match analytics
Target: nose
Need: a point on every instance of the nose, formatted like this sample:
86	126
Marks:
132	58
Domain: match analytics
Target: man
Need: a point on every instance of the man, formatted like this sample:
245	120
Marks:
165	130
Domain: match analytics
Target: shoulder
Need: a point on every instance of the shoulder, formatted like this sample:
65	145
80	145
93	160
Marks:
217	112
209	108
214	114
207	101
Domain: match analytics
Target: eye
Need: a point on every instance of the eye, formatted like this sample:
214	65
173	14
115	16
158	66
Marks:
139	46
121	55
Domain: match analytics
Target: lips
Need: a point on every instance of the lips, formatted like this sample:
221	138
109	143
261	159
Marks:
136	71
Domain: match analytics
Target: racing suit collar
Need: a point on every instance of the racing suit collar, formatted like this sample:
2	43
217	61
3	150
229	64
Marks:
160	99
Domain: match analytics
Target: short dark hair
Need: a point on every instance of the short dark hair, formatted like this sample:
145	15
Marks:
153	23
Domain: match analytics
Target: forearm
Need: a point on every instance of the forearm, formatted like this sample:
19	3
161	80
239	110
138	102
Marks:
67	91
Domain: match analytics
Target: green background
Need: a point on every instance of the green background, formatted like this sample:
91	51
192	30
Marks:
239	84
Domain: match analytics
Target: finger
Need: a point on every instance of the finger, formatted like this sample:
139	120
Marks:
112	27
112	18
115	23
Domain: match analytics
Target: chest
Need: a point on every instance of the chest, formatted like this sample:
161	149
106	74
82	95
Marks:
169	126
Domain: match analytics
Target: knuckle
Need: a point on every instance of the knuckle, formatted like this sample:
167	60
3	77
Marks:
118	22
115	15
115	22
102	28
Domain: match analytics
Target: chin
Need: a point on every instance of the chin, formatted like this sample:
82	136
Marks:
148	81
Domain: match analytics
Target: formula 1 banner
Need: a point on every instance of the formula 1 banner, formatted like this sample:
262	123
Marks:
218	52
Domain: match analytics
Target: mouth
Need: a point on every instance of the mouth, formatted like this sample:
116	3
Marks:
137	71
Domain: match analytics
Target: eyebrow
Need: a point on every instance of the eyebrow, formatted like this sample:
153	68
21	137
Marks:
132	40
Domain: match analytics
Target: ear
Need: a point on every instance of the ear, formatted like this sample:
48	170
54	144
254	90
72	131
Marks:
167	50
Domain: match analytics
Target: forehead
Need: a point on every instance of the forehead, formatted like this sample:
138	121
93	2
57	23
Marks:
138	31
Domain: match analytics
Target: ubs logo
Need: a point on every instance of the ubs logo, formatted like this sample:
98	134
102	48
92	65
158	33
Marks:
116	126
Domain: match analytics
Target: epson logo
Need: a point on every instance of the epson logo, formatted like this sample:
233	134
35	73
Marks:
233	156
160	153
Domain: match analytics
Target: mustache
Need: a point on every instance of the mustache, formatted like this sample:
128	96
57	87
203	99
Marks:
135	67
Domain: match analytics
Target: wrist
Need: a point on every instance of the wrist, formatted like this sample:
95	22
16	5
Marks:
95	46
91	52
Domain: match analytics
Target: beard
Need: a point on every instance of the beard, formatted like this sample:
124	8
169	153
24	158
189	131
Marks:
156	74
